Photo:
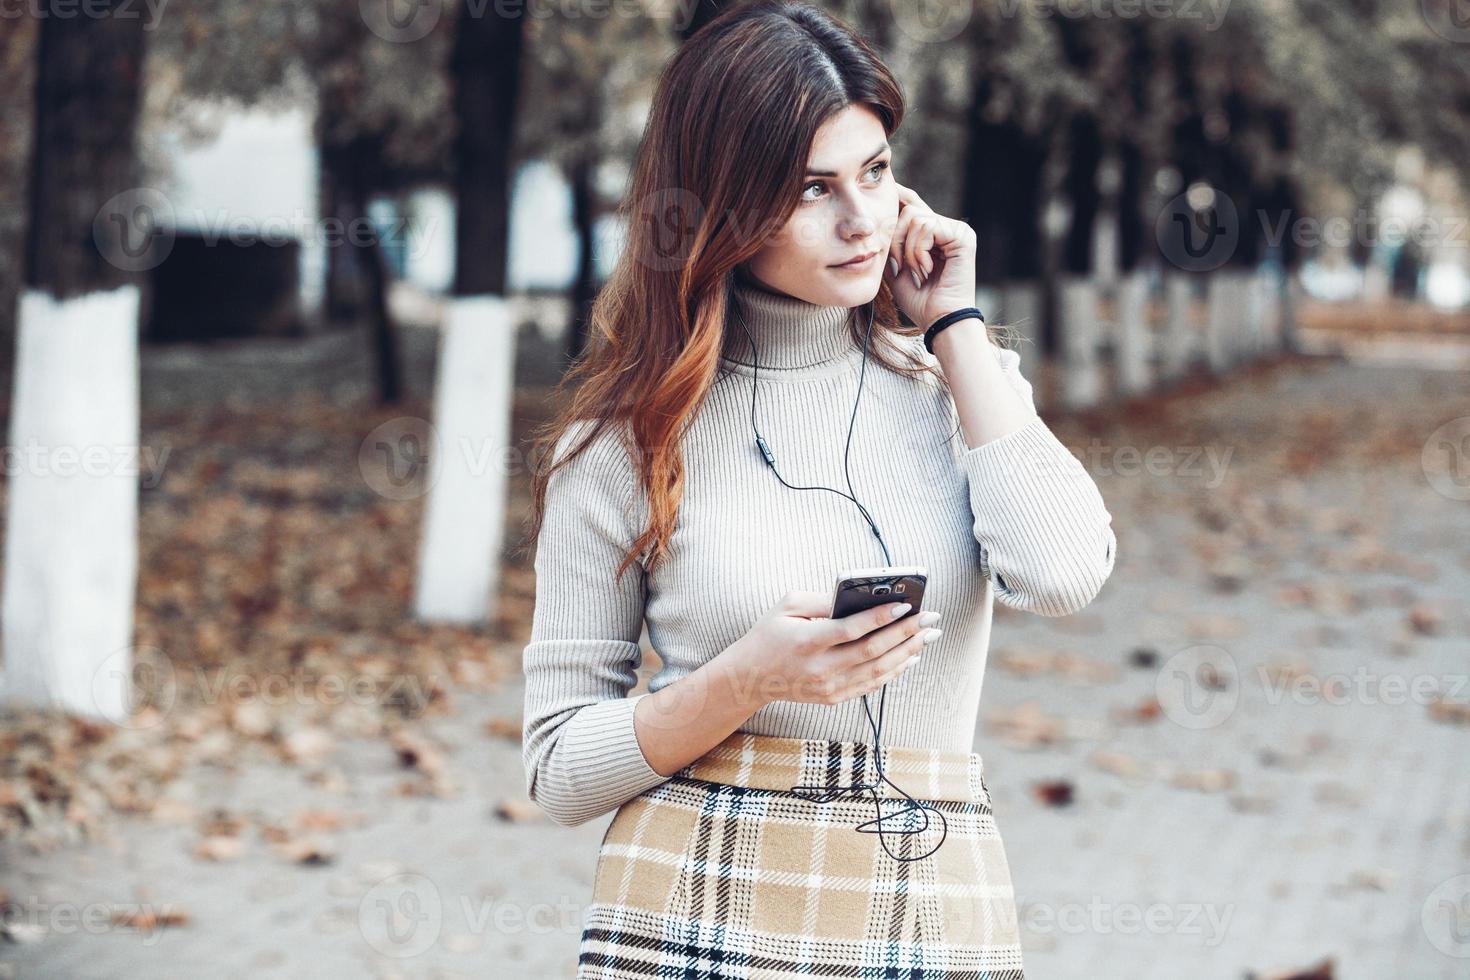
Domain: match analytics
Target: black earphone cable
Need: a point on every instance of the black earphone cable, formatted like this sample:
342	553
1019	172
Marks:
824	793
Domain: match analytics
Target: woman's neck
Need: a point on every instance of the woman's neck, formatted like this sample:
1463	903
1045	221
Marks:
788	333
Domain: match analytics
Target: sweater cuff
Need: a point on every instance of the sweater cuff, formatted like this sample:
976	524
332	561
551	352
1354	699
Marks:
608	757
1040	520
1014	483
1028	453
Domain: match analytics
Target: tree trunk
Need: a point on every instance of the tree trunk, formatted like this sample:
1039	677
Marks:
584	289
353	171
1137	160
338	303
72	507
464	513
486	73
1084	154
374	265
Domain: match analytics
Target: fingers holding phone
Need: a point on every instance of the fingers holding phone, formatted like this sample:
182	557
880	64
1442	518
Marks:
873	658
797	653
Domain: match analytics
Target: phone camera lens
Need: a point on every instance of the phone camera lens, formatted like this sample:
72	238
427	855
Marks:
882	589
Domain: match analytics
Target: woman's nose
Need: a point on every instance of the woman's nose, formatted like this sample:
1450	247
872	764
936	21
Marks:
858	223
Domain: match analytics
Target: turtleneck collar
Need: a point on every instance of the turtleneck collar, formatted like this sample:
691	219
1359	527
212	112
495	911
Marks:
789	333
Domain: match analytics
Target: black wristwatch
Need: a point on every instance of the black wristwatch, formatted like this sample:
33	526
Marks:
946	320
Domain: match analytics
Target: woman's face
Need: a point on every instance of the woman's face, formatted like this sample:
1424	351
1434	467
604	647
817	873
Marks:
848	209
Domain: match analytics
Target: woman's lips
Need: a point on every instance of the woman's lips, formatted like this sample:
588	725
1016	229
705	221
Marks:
862	263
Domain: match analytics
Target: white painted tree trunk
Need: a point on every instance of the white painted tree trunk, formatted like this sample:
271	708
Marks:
1228	328
464	511
1081	370
1133	335
1177	349
1270	287
1105	269
71	536
1221	316
1019	307
1290	295
1377	283
1254	288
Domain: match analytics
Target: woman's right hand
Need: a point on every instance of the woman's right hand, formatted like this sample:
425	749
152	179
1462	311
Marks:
795	652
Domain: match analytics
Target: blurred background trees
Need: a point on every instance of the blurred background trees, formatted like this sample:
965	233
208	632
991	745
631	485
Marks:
1156	192
1088	119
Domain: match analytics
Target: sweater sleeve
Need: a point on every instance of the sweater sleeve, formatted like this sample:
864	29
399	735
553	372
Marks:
579	747
1046	537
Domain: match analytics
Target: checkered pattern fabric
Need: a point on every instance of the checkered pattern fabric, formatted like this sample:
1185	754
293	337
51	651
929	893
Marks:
723	872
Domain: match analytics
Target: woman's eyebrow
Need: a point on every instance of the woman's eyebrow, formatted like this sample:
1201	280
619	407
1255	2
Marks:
828	173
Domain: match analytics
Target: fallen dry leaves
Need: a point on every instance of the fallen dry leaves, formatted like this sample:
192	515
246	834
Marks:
514	809
1054	792
1120	764
220	848
1026	726
1030	661
148	919
1145	712
274	601
428	761
1204	780
509	729
1324	970
1450	712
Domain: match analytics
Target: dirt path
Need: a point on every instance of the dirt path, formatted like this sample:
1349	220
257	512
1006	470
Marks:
1306	800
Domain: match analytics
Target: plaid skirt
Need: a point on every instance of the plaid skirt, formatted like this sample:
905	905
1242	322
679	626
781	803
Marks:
723	871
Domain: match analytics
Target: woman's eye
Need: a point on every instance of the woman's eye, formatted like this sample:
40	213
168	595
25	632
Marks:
880	166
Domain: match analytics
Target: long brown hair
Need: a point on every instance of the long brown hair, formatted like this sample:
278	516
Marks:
718	170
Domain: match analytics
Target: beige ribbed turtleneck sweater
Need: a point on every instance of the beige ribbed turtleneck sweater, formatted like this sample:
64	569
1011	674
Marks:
1017	519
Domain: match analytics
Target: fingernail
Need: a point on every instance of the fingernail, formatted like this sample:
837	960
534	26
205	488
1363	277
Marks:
892	266
914	275
931	635
928	618
902	608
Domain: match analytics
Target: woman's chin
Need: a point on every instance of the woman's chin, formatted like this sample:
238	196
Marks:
856	293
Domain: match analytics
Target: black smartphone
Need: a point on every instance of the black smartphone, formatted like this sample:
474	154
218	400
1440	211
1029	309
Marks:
863	588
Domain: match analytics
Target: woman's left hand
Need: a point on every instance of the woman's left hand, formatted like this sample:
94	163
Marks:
940	250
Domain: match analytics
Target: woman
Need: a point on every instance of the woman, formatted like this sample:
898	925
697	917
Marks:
757	831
